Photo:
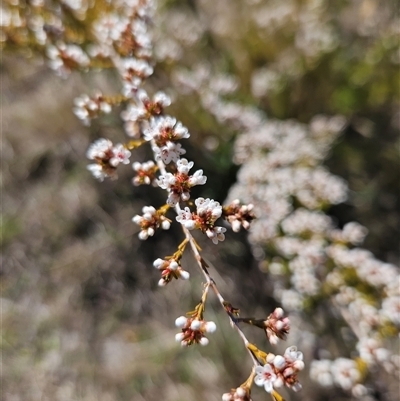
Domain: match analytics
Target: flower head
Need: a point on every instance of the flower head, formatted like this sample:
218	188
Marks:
193	330
237	394
208	211
265	376
107	157
277	326
239	215
165	129
145	173
179	184
170	269
150	221
87	108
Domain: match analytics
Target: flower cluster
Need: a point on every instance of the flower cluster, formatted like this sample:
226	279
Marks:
237	394
280	370
208	211
239	215
140	112
88	108
178	185
145	173
170	268
107	157
193	330
150	221
277	326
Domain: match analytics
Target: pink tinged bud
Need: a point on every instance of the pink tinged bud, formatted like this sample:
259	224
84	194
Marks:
185	196
273	339
279	325
179	337
236	226
173	265
150	231
203	341
288	372
137	219
196	324
270	358
210	327
298	365
279	362
278	382
227	397
158	263
245	224
105	108
149	209
148	216
279	313
162	283
241	392
181	322
143	235
173	199
165	225
184	275
190	224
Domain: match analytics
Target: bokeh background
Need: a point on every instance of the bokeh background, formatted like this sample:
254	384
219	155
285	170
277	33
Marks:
82	316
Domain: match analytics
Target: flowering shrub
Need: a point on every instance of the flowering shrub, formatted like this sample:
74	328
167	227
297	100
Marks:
315	269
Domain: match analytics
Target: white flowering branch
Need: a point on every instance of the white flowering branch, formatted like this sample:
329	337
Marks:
118	37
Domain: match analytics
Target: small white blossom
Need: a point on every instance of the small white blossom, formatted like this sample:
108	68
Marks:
62	58
265	376
171	152
345	373
120	155
163	129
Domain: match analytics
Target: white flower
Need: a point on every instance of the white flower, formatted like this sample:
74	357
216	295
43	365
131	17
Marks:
320	371
140	67
197	178
169	153
181	321
120	155
205	206
345	373
163	129
265	376
185	217
184	166
216	234
97	171
63	57
162	99
291	354
99	149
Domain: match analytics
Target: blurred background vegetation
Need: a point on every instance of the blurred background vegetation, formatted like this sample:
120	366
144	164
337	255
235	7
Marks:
83	318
